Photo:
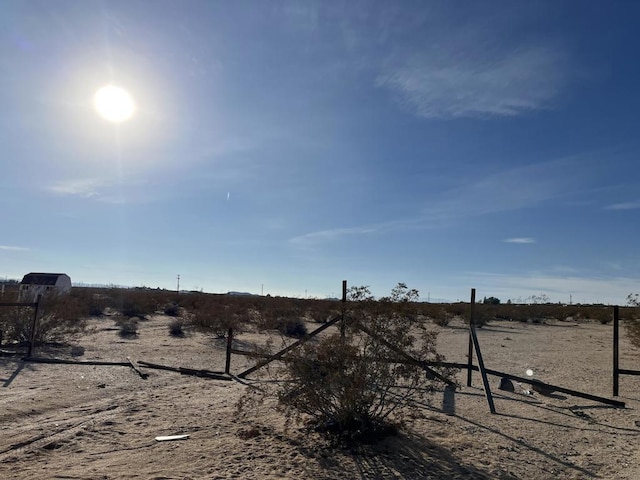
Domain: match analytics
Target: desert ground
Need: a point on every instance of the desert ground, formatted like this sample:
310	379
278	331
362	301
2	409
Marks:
100	422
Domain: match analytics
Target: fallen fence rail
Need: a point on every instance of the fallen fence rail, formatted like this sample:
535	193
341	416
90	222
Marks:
548	386
187	371
63	361
74	362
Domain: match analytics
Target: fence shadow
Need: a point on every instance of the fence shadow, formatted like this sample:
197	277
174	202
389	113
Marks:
406	456
522	443
15	367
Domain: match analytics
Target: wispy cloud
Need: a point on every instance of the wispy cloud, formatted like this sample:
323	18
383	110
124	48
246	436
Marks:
314	238
10	248
85	188
523	240
508	190
102	190
469	71
517	82
624	206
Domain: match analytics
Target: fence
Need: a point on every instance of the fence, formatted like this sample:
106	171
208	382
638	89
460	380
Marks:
36	306
617	371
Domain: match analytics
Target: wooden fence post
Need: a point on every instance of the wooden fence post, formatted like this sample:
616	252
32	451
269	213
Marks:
344	304
470	349
616	366
227	365
34	325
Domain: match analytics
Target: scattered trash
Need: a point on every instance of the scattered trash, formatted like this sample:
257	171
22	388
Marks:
523	390
169	438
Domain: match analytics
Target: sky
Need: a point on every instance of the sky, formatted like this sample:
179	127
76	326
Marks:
282	147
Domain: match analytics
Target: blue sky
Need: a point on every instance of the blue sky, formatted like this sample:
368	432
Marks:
447	145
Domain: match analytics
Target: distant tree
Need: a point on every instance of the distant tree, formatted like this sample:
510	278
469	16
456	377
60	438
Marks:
491	301
539	299
402	294
359	294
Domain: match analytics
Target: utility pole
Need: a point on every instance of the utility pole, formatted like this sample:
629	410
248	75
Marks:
262	289
178	288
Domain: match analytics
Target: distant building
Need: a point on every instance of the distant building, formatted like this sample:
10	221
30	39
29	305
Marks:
34	284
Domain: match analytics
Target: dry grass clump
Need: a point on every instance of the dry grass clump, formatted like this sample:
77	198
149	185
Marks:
176	328
128	326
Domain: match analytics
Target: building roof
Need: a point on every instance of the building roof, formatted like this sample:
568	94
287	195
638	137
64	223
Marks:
41	278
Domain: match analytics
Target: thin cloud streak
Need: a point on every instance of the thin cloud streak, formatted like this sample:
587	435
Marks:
520	240
624	206
84	188
10	248
322	236
509	190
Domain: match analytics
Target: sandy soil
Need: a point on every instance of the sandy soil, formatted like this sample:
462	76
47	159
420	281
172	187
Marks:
99	422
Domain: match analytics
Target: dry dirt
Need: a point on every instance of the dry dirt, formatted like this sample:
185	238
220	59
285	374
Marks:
99	422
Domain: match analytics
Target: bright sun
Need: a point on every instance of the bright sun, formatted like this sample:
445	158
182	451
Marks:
114	104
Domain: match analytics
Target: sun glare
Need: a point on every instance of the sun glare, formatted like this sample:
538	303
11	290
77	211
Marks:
114	104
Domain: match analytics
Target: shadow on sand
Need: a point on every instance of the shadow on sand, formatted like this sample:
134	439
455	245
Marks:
408	457
10	369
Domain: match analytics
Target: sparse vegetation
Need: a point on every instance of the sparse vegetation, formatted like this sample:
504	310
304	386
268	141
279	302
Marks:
633	319
292	327
58	317
354	386
171	309
128	326
176	328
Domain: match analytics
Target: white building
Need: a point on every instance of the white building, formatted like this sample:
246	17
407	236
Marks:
34	284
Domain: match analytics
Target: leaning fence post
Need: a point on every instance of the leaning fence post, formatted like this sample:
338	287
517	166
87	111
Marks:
34	324
227	365
616	366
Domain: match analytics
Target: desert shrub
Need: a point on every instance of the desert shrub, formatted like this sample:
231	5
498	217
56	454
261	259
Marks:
292	327
92	301
59	316
176	328
459	309
128	326
322	310
356	385
215	315
483	314
137	302
442	318
171	309
15	324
